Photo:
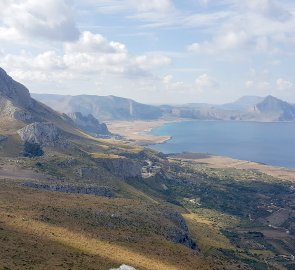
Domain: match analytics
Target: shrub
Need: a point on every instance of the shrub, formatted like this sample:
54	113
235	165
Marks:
32	150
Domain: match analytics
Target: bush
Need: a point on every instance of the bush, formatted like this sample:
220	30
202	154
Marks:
32	150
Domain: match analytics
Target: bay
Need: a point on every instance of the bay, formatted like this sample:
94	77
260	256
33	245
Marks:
267	143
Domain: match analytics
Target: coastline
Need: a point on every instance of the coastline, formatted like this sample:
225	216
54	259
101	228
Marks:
223	162
137	131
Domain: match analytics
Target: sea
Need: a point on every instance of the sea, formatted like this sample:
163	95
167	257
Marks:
266	143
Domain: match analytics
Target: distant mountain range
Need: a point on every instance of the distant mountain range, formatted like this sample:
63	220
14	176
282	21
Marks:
101	107
108	108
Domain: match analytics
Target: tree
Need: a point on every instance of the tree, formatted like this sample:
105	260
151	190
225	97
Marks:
32	150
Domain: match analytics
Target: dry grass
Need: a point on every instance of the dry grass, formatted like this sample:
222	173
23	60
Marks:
103	155
32	239
206	230
11	147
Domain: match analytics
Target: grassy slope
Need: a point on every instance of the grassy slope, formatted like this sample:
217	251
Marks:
33	235
42	229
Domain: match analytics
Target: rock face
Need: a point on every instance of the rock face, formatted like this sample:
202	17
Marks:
180	233
122	167
15	99
89	124
45	134
274	109
14	91
90	190
89	173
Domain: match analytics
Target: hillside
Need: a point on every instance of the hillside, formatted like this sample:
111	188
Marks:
93	203
80	192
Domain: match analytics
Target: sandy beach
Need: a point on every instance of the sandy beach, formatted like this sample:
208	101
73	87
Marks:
137	131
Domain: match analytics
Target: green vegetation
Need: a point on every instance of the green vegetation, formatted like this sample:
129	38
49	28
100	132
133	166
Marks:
88	203
32	150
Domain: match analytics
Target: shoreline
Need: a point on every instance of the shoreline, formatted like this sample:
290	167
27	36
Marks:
223	162
138	131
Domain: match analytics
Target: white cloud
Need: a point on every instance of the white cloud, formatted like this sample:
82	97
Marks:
47	19
151	61
167	79
283	84
260	85
195	47
231	40
91	55
205	82
252	26
152	5
269	8
224	42
249	84
141	6
93	43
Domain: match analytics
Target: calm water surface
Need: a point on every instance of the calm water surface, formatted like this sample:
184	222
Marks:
269	143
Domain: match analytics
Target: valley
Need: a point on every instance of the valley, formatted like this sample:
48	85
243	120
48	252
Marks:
72	199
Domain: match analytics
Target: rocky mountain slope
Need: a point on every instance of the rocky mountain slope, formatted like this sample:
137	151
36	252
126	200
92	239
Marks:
243	103
274	109
74	162
89	124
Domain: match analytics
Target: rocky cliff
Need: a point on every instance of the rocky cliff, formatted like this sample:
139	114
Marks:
15	99
89	124
45	134
122	167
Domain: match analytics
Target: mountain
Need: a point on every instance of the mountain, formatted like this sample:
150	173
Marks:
242	104
247	108
89	124
274	109
18	108
101	107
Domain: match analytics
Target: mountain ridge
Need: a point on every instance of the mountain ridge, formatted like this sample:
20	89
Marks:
109	108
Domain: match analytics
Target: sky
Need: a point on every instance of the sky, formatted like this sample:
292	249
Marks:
154	51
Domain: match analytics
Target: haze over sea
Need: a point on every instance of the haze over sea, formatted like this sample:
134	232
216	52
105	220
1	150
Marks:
268	143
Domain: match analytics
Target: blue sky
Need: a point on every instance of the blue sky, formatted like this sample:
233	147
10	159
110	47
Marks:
155	51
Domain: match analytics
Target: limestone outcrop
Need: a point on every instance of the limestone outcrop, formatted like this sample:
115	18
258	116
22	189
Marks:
45	134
